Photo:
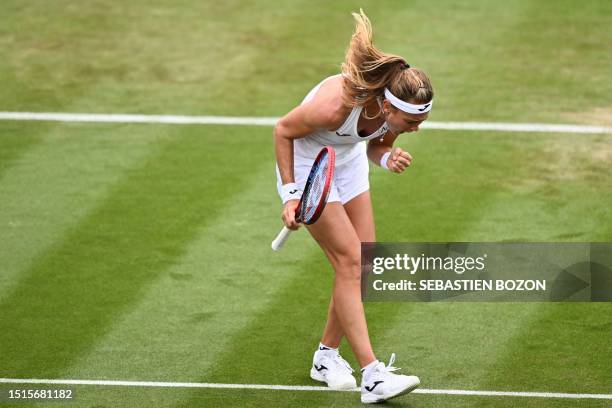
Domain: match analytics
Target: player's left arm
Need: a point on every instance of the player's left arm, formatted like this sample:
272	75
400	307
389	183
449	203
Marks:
397	160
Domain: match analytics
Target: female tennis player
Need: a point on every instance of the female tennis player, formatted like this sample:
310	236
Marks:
360	113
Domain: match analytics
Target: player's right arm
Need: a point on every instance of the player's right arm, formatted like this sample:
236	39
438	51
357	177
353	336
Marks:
298	123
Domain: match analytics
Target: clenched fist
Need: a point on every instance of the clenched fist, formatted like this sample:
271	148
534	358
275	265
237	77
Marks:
398	160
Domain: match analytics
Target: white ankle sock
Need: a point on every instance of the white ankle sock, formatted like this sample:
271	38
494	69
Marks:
367	370
324	347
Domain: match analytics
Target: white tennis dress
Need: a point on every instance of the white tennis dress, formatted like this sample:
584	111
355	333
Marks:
351	172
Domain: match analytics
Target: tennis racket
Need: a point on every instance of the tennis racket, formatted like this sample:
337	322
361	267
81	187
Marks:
315	193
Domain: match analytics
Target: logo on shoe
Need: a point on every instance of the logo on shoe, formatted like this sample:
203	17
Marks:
322	367
370	389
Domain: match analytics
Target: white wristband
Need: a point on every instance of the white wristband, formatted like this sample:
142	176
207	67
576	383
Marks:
290	191
383	160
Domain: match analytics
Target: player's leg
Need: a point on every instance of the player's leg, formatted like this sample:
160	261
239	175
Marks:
378	384
359	211
337	237
333	333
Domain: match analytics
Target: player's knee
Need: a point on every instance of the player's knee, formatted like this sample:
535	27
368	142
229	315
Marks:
348	266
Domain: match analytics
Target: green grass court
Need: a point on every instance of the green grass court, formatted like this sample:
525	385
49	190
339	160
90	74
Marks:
141	252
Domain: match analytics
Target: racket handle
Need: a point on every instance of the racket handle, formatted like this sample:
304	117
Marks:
280	239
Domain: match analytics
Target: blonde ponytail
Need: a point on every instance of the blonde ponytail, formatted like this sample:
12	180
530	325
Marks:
367	71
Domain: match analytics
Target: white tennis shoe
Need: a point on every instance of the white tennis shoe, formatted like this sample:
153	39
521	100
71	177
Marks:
329	367
382	384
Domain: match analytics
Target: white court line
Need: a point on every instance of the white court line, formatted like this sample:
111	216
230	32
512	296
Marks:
161	384
270	121
125	118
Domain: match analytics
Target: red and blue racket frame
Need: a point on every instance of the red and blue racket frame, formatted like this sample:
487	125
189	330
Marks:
327	177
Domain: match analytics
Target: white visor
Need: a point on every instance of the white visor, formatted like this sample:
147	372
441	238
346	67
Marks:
406	106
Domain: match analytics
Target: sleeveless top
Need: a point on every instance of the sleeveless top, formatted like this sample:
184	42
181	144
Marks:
345	140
